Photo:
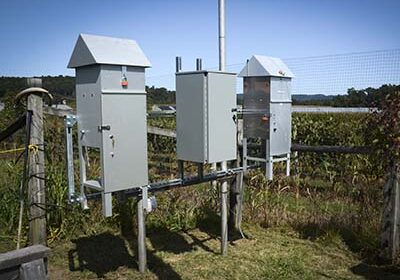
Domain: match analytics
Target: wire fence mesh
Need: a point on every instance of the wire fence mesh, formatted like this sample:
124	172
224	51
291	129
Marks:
329	74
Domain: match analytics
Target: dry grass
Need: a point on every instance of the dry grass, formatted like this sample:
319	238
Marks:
194	254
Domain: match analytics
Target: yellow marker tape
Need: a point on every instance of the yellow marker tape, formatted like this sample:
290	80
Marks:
11	151
32	148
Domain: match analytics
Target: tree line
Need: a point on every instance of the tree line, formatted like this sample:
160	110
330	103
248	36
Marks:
63	87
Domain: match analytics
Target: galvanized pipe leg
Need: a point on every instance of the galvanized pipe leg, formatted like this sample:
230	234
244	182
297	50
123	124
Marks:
200	169
244	141
288	165
224	214
214	169
181	169
142	257
69	122
269	168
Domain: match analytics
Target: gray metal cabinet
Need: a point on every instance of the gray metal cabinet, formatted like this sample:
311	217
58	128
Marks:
267	108
111	112
206	129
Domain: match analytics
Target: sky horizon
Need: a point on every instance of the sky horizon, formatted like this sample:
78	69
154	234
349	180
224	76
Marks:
38	36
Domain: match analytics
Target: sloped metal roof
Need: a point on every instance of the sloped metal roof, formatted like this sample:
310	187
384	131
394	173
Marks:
260	65
94	49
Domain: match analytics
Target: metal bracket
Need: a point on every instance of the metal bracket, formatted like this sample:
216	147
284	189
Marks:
149	203
69	122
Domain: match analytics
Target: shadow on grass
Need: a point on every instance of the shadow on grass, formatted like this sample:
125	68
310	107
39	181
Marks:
174	242
106	252
211	224
100	254
372	272
345	229
371	268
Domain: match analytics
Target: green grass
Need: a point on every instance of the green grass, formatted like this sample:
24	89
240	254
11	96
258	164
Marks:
318	224
267	254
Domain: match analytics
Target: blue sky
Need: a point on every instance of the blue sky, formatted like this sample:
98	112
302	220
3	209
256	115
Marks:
37	36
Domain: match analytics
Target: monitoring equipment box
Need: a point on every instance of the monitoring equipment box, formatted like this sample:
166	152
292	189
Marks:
111	111
205	117
267	105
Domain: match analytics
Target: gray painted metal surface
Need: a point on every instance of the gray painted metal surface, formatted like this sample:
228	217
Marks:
265	66
206	130
280	128
94	49
111	112
124	150
267	109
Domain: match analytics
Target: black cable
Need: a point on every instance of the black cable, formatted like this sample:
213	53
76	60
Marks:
28	118
12	128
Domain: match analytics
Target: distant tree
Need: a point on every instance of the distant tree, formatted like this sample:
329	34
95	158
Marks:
160	96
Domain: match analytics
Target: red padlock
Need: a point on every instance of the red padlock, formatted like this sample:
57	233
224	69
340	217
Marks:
124	81
264	118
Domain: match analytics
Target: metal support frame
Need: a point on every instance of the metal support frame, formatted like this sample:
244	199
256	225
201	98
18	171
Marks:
287	164
69	122
141	219
143	207
145	204
224	213
177	183
268	160
181	169
200	170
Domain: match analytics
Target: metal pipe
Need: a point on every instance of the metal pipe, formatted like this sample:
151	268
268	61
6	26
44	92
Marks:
224	213
200	170
181	169
221	30
199	64
224	186
214	169
176	183
178	64
68	124
288	165
142	258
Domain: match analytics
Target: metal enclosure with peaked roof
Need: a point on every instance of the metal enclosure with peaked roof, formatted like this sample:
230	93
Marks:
94	49
265	66
111	112
267	105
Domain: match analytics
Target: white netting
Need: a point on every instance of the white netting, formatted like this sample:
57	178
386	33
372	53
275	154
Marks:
330	74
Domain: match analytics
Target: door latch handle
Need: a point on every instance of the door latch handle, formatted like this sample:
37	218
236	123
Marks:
104	127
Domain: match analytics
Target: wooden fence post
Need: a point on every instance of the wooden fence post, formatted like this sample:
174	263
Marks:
390	236
36	183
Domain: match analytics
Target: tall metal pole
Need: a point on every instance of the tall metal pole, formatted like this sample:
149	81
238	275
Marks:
224	165
221	28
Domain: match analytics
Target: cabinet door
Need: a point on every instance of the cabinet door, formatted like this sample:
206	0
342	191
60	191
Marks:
221	124
281	127
124	153
190	117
